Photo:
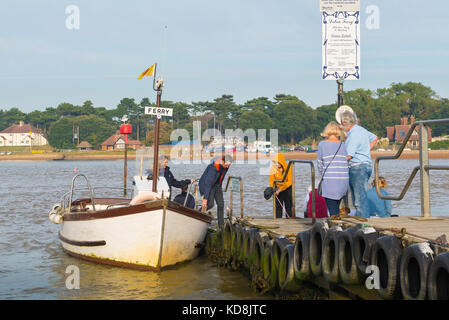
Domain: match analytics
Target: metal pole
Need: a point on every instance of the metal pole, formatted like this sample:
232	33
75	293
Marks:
230	200
125	169
156	145
293	192
241	198
340	92
424	171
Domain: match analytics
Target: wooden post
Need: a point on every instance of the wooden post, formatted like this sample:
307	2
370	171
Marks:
156	144
424	171
125	166
241	198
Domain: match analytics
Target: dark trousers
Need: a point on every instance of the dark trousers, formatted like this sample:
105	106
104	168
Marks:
216	193
333	206
285	198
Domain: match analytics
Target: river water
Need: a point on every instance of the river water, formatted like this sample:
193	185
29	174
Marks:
33	264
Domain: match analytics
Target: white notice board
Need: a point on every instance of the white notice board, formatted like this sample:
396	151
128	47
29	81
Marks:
340	39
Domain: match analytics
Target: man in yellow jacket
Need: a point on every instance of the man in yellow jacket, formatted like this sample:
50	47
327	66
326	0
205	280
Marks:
283	192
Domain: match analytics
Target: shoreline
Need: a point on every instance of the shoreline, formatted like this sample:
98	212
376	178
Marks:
58	156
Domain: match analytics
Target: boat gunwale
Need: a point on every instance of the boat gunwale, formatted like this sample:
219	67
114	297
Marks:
135	209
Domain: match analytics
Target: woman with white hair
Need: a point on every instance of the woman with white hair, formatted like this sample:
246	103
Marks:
359	143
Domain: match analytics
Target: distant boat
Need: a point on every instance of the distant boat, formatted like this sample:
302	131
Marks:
59	159
310	151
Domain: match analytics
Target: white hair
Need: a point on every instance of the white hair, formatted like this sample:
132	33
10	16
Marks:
348	118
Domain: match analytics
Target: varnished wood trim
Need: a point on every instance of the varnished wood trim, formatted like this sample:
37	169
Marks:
149	206
81	243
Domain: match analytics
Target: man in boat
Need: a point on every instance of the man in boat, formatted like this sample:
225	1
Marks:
210	186
180	198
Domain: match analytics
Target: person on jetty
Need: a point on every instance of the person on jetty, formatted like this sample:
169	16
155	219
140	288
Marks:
379	207
359	143
283	192
180	198
333	167
210	185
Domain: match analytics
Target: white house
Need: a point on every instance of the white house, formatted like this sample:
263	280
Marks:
22	135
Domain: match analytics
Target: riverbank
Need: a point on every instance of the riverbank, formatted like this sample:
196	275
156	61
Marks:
119	155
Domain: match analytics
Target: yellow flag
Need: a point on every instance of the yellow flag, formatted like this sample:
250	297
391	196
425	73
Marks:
148	72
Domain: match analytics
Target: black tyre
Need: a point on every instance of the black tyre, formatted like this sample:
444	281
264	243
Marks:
415	262
363	242
287	280
256	251
386	255
301	262
438	281
330	255
227	237
317	235
347	267
247	246
279	244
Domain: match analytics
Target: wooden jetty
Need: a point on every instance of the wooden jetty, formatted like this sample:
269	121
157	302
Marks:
285	256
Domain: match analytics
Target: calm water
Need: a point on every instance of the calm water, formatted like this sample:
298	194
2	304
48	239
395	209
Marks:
33	265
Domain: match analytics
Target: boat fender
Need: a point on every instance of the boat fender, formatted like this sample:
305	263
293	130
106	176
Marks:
386	255
438	281
301	256
363	242
287	279
280	242
317	235
347	267
415	263
330	255
144	196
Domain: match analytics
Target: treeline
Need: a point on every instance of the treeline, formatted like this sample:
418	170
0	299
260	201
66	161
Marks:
295	120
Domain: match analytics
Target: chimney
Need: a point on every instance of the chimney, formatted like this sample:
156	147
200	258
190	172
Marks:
20	123
412	119
404	121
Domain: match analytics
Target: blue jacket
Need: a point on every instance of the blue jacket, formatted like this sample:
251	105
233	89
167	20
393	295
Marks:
378	206
213	175
180	198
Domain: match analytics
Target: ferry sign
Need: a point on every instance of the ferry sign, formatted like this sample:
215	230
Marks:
155	111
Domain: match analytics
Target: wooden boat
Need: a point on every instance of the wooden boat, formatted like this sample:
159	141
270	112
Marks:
148	236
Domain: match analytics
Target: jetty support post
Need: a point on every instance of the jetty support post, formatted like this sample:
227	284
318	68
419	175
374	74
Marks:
424	170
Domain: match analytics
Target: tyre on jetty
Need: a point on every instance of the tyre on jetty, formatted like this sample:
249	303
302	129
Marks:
286	274
246	247
236	243
386	255
301	261
317	235
438	281
211	243
330	254
349	274
414	268
363	242
266	266
271	257
257	241
241	244
227	238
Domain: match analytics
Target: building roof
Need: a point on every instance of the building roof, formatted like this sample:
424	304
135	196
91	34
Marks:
21	128
85	144
112	140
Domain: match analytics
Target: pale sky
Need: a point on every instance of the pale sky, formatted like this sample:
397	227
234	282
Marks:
246	48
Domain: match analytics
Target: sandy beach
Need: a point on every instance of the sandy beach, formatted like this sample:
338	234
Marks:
104	155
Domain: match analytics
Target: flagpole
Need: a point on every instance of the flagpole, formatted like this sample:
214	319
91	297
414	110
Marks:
157	87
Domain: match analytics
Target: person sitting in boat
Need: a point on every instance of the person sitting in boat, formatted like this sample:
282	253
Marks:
168	175
210	185
180	198
379	207
283	192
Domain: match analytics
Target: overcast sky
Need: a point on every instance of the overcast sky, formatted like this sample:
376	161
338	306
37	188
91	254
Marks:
246	48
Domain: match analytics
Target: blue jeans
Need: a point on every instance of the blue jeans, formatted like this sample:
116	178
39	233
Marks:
358	181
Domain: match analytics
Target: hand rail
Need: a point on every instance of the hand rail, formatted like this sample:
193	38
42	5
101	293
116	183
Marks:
196	181
241	194
312	172
423	167
90	190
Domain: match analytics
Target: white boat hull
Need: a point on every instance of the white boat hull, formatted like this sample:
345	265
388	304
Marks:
143	237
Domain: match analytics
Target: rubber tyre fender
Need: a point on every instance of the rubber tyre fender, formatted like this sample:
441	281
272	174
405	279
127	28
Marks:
348	271
415	263
236	237
226	235
256	250
317	235
363	242
301	262
241	251
247	246
386	255
266	261
286	273
330	255
438	279
210	242
280	242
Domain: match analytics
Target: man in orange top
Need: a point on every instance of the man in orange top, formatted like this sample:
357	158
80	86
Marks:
283	192
210	186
